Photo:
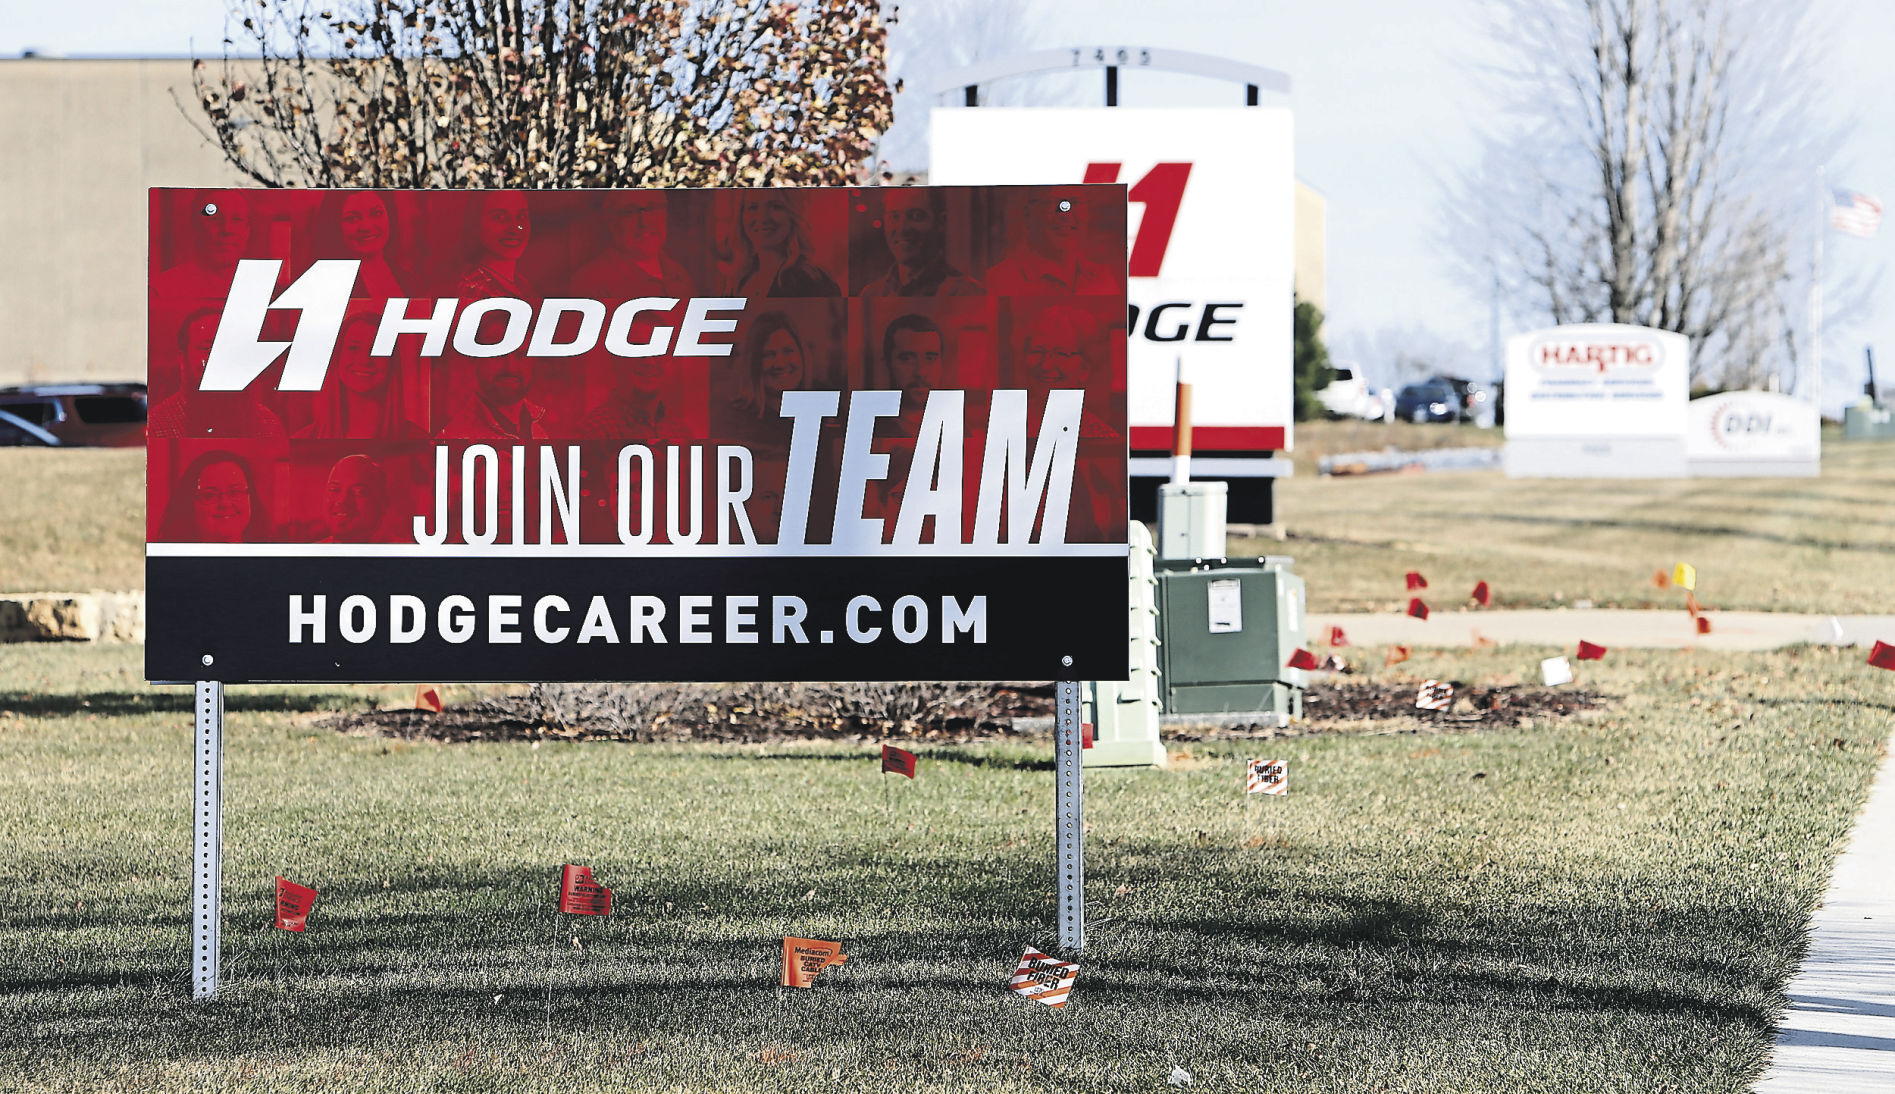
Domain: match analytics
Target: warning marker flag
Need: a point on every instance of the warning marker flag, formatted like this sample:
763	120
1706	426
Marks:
1267	777
1335	637
1045	979
1396	655
1590	652
804	958
898	760
1416	581
1684	576
1303	659
428	698
1482	595
1883	655
1416	608
580	895
1434	695
293	902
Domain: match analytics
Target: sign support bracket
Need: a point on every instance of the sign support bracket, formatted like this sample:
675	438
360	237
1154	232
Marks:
207	830
1069	778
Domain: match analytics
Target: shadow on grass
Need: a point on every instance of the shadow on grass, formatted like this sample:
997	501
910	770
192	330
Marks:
166	700
1679	528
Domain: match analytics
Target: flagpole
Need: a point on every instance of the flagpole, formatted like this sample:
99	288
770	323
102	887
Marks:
1816	286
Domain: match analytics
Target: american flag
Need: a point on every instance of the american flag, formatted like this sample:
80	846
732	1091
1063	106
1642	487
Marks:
1856	214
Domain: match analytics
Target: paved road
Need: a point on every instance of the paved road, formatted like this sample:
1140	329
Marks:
1607	627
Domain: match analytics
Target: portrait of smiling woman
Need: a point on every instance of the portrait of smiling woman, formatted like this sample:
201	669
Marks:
215	501
499	227
367	397
360	225
772	254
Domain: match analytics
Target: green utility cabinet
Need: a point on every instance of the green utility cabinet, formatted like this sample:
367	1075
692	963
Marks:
1867	421
1227	628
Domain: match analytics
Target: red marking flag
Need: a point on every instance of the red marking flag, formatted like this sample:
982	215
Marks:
1303	659
1267	777
1416	608
1396	655
898	760
1704	624
1883	655
1085	734
1045	979
428	698
1416	581
293	902
1434	695
1335	637
1590	652
1482	594
580	895
804	958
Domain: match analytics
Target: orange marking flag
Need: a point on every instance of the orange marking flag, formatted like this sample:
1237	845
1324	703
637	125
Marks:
1303	659
580	895
1336	637
428	698
804	958
899	760
1396	655
1046	979
1661	578
1482	642
293	902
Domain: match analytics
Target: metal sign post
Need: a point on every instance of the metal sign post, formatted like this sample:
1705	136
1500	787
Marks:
1069	773
207	829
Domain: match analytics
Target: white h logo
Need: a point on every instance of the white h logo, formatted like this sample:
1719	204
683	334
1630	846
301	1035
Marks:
239	355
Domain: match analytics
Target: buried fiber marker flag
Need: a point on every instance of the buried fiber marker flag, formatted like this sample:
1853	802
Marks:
1589	651
1303	659
900	761
293	903
1882	656
580	895
1046	979
805	958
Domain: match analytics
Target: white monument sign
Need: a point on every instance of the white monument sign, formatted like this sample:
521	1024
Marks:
1597	401
1754	433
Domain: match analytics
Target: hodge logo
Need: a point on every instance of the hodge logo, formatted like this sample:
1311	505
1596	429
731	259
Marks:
240	354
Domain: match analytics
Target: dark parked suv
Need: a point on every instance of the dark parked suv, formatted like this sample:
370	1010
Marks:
1428	401
71	415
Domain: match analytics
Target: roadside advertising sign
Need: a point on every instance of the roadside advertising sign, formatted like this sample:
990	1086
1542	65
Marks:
1211	251
638	434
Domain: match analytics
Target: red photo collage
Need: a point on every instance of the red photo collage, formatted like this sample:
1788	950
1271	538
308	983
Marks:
906	290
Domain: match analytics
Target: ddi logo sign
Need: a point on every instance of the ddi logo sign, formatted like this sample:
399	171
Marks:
1161	191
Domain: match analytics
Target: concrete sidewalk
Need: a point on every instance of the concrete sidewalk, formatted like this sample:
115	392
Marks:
1838	1036
1607	627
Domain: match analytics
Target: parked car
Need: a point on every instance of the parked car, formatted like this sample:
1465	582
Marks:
1348	396
1477	400
74	415
1428	401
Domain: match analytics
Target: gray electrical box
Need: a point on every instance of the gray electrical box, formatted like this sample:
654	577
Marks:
1867	420
1191	519
1227	627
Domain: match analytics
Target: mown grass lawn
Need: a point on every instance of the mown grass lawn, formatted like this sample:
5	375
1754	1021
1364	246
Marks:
1608	904
1798	545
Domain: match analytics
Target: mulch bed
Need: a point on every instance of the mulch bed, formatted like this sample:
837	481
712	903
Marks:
776	713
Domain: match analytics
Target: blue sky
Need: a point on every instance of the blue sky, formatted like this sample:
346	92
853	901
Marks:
1388	97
